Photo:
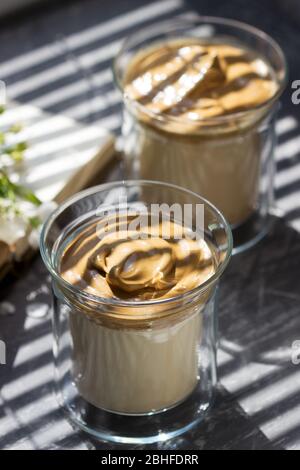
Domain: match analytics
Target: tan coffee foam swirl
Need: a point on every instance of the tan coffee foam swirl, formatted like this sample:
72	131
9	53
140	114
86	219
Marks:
194	81
122	265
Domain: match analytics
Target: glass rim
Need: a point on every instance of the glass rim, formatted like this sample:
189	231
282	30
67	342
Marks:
205	20
48	260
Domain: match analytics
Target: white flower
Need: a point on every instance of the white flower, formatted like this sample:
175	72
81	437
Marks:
17	225
12	229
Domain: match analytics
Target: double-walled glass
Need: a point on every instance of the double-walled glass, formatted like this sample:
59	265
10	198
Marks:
228	159
134	371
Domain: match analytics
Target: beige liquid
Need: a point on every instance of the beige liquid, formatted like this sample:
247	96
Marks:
135	371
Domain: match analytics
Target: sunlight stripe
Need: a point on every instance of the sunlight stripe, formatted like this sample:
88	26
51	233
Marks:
278	391
245	376
286	124
288	149
33	349
82	38
27	383
282	423
287	176
76	88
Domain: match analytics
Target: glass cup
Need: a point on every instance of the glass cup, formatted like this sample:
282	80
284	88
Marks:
228	159
134	371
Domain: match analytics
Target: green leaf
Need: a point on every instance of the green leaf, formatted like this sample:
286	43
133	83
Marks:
35	222
6	187
9	191
26	194
17	156
16	128
20	147
16	152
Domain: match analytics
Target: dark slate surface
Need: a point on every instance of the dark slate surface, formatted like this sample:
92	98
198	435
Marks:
59	59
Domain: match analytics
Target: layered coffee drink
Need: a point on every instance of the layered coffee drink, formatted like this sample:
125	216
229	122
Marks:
194	108
134	281
144	358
